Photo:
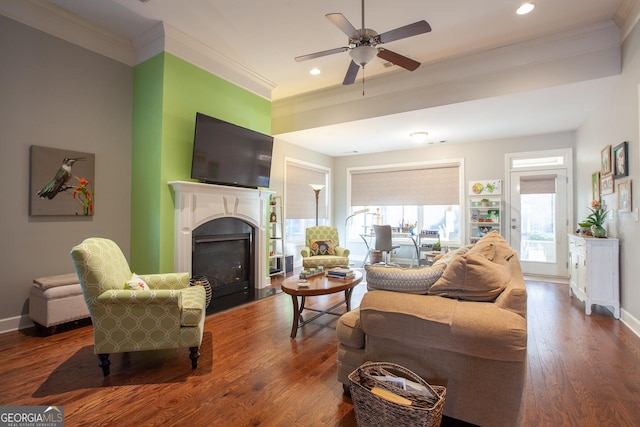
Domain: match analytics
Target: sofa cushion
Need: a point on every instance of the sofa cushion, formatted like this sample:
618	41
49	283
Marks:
47	282
322	247
495	244
445	258
472	277
410	280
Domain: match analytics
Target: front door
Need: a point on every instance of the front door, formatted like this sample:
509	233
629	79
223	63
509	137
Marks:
539	220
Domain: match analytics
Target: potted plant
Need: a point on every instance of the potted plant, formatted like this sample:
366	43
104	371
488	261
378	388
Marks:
597	218
436	246
485	202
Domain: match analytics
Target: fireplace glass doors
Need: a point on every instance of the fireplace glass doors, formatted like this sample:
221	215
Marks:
224	252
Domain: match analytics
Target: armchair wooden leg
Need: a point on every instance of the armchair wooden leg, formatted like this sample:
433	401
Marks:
194	356
104	363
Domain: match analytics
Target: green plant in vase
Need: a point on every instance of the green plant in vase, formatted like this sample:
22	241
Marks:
437	245
597	218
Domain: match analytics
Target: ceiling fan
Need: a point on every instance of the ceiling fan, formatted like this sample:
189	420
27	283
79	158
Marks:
364	44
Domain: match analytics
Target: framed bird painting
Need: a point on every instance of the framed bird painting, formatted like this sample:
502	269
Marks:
61	182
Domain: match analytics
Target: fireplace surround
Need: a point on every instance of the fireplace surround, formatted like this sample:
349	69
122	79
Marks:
197	204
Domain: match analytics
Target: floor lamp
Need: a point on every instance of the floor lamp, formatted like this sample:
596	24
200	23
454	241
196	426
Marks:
362	211
316	189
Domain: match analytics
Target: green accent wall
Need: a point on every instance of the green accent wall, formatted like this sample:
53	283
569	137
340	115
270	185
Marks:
168	92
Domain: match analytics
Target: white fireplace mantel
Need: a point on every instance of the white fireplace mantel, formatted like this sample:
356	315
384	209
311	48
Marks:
197	203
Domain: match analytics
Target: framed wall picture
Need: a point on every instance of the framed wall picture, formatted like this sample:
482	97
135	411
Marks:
606	184
624	195
61	182
605	160
595	186
620	161
485	187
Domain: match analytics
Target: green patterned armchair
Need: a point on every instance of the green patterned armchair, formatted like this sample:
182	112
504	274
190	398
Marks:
323	248
170	314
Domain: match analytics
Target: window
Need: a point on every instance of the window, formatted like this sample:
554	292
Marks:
411	198
300	202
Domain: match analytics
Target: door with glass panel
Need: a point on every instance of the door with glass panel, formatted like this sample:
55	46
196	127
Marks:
539	221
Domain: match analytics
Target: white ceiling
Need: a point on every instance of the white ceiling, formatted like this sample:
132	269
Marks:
265	36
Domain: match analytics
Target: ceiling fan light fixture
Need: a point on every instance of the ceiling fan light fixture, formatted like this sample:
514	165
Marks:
363	55
525	8
419	136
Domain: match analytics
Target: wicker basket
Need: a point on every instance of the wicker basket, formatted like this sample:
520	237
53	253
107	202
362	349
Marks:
373	410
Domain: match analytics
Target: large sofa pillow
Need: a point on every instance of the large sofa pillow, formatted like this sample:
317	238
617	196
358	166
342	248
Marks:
472	277
495	244
445	258
409	280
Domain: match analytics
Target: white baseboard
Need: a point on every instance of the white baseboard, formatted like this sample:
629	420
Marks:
15	323
630	321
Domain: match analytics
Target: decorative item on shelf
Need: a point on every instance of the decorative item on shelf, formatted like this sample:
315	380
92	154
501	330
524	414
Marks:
485	202
273	217
585	227
597	218
311	272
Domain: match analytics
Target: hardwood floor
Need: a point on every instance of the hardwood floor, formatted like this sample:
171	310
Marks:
583	371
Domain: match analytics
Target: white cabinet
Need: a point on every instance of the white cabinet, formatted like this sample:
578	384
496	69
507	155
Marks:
594	272
484	216
277	264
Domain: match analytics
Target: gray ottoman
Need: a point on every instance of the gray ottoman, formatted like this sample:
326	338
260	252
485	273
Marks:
54	300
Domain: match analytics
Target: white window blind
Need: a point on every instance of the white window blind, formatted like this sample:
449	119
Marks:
300	199
417	186
539	184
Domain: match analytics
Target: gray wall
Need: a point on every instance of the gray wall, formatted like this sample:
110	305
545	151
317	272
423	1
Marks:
55	94
616	120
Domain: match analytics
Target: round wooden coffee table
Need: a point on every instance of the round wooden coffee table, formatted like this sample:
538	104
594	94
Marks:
317	285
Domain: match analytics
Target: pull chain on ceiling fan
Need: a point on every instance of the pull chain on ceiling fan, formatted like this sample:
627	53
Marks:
363	45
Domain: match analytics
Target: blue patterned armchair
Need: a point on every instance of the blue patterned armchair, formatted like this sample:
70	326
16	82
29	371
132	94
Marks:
323	248
166	313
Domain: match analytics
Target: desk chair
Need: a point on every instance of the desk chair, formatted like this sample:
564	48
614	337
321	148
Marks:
384	242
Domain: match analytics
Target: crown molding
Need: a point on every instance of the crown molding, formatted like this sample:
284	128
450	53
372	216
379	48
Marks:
53	20
627	16
164	37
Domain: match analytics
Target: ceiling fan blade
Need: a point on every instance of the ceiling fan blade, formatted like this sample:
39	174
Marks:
343	24
352	73
320	54
410	30
397	59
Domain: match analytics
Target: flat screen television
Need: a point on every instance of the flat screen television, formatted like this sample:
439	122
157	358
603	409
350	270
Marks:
227	154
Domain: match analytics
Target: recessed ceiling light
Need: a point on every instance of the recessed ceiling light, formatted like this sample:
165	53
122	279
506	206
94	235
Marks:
314	71
525	8
419	136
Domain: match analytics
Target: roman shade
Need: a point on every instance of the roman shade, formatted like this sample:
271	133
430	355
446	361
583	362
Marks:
416	186
538	184
300	200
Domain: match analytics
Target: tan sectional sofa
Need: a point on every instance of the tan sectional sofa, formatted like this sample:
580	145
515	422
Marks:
466	331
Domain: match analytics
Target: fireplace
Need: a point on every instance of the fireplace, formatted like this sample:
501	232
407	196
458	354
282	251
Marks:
242	213
223	252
